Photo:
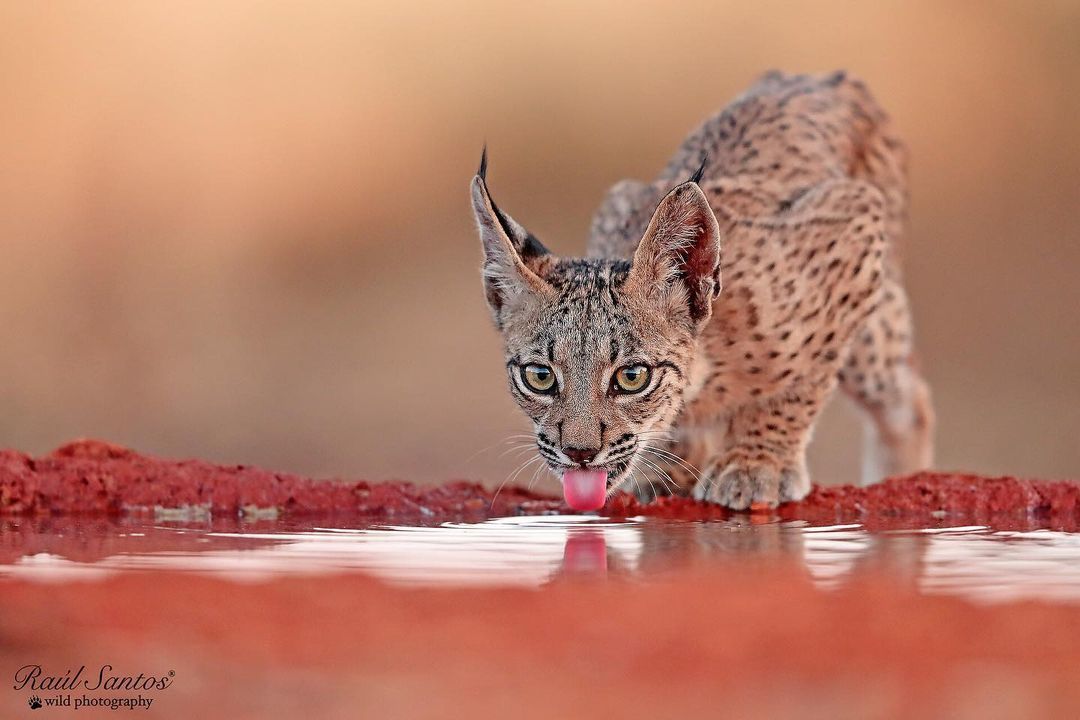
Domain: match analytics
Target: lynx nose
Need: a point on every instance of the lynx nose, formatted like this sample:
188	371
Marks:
582	456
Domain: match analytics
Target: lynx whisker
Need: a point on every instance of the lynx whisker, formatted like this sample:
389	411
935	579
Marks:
493	446
672	457
664	477
508	478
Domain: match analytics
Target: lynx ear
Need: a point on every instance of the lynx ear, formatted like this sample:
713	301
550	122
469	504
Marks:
679	254
509	250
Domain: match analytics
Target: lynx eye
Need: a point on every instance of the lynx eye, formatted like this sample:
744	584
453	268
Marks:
540	378
631	379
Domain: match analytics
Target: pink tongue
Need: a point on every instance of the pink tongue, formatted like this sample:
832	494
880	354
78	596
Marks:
585	489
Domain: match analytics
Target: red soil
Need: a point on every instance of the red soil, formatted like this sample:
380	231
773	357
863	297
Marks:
95	478
89	477
729	640
917	500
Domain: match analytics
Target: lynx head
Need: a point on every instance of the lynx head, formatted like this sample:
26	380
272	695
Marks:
598	351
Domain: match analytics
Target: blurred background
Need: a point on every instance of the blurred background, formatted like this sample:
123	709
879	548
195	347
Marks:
241	230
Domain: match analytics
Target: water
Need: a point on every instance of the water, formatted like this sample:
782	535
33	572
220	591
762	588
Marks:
971	561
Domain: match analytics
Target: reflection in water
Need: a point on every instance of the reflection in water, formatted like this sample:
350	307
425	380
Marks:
972	561
523	551
1039	563
585	554
831	553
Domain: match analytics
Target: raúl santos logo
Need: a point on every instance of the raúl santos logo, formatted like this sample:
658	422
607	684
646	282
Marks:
79	688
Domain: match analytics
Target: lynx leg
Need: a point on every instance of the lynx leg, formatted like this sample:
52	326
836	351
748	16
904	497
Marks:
880	376
765	458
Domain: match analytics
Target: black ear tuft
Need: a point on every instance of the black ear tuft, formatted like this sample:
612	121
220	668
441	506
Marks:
700	172
524	242
482	172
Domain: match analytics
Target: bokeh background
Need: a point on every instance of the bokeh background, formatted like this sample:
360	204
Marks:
240	230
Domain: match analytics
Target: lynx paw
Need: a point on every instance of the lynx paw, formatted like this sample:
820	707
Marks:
738	484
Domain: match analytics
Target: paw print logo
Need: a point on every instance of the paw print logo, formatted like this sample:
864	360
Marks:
35	702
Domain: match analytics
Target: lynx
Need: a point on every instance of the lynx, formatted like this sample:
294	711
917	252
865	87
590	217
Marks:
693	348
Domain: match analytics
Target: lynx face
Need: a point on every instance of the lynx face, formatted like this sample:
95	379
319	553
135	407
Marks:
598	351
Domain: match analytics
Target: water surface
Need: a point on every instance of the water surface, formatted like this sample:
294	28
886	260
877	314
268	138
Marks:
972	561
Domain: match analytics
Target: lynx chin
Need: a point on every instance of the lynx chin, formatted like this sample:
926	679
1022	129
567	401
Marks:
693	348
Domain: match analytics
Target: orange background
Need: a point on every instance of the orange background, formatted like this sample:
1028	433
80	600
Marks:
241	230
